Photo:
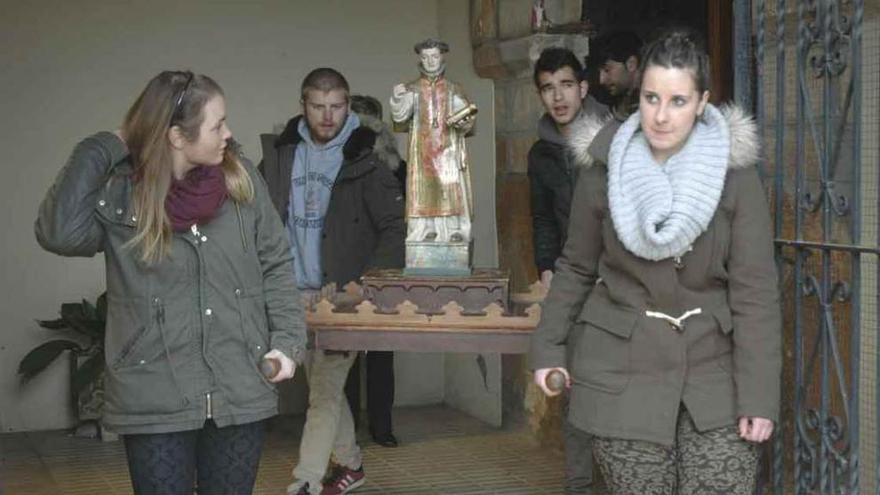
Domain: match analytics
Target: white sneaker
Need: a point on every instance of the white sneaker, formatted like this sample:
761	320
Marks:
298	487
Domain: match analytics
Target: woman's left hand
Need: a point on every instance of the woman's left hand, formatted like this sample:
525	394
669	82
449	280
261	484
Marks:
755	429
288	366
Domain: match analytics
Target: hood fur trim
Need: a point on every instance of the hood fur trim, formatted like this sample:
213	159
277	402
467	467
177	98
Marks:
385	146
581	136
745	144
367	138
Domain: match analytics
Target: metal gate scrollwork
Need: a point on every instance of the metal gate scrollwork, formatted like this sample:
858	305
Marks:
808	101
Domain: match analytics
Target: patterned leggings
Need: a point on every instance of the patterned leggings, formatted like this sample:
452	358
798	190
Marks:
226	460
714	462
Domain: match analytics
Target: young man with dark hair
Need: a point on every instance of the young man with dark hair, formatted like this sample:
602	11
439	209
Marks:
552	174
563	92
617	54
343	210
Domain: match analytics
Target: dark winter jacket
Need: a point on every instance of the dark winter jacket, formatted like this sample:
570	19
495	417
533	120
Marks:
364	226
552	176
631	372
184	336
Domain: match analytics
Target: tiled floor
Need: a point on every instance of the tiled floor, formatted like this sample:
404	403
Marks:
442	452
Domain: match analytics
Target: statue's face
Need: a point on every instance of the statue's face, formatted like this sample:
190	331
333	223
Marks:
431	59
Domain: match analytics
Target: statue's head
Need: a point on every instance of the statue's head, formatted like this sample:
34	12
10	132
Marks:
431	54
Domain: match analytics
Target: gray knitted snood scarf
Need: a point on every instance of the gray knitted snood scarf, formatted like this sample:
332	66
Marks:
659	210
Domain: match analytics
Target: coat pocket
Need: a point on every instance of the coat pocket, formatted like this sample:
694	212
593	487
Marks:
603	352
129	325
253	322
254	327
140	379
130	348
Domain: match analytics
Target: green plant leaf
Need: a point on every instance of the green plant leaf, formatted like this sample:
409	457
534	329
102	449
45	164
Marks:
42	356
91	329
87	373
71	311
75	315
58	324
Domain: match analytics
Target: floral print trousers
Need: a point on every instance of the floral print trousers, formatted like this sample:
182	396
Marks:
713	462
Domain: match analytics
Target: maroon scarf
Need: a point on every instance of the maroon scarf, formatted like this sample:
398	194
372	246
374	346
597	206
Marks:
196	198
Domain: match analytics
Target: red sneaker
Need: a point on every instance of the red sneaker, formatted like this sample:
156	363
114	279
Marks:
344	480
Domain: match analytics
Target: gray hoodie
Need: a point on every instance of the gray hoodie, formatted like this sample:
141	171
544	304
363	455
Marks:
314	171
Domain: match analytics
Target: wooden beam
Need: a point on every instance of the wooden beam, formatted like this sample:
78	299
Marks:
719	30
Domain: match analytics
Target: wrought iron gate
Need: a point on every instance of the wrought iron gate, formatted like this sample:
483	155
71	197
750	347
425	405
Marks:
807	89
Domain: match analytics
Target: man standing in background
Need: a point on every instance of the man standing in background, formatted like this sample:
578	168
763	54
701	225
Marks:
552	175
617	54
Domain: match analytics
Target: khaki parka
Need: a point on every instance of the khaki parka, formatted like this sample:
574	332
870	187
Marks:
631	372
184	336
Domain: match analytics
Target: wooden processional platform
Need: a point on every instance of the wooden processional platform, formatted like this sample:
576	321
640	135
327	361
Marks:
471	320
393	312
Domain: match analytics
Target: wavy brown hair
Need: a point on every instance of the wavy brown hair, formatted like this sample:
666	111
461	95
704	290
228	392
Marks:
172	98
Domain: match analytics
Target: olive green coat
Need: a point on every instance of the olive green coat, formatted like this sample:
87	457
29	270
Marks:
631	372
185	335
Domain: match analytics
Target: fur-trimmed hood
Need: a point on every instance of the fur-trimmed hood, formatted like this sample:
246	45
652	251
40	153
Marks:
590	138
385	145
364	140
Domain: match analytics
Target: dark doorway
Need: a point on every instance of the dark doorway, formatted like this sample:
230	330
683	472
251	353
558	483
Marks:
713	20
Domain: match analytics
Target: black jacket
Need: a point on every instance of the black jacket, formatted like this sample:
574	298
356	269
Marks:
551	183
364	226
552	176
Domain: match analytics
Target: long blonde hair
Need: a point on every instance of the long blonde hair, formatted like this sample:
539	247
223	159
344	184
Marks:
172	98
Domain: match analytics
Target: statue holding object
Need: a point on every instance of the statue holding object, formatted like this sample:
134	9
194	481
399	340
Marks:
439	199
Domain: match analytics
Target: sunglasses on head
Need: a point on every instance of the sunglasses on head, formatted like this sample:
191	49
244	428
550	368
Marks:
177	105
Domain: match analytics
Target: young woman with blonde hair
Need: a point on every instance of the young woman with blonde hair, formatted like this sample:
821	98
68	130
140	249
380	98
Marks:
199	285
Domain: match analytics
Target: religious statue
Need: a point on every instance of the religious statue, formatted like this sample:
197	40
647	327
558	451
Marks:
439	203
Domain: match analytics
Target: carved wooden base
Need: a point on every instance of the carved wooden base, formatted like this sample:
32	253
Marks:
473	292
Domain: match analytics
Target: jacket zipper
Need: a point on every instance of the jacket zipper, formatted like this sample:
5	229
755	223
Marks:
199	238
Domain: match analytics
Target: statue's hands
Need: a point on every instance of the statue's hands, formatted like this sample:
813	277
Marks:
399	91
465	123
